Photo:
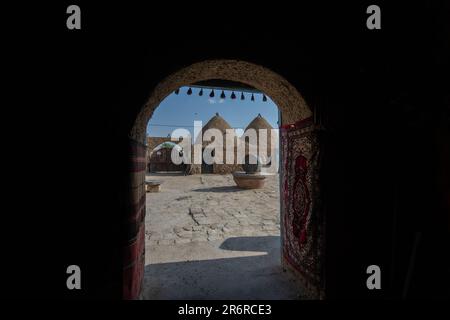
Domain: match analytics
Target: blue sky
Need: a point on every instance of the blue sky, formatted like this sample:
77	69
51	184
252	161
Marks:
180	111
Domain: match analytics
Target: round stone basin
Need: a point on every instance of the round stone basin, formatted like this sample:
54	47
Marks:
249	180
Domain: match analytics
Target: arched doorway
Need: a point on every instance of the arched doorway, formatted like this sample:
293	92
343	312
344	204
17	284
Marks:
159	158
301	217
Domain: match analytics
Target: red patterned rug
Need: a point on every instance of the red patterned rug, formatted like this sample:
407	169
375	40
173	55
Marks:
300	207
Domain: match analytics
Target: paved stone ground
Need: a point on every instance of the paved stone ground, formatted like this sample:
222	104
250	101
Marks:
209	207
208	239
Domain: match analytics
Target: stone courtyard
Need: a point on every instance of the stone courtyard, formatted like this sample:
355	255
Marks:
208	239
197	208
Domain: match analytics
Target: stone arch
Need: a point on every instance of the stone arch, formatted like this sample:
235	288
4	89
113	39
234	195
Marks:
291	104
301	212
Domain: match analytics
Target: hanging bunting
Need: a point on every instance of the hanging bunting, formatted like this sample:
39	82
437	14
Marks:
233	95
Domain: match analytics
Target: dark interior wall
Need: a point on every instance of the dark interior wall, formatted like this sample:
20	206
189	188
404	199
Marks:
380	95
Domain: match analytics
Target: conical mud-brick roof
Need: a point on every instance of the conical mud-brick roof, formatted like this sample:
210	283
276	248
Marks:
259	123
216	122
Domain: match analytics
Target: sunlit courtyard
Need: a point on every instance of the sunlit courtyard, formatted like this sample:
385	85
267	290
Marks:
208	239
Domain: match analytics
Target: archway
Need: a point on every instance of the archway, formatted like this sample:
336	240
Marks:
302	221
286	97
159	158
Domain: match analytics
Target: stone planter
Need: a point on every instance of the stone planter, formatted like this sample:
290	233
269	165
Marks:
249	180
152	186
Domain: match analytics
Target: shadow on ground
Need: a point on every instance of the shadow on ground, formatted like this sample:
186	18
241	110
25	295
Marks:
242	277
